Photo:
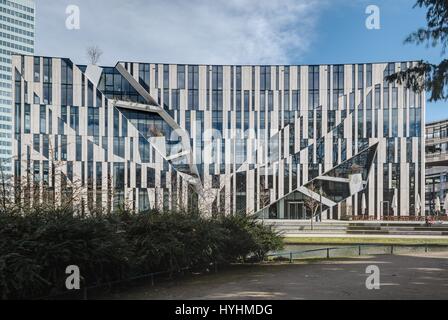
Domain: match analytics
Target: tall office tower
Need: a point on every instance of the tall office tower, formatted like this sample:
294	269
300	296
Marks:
16	36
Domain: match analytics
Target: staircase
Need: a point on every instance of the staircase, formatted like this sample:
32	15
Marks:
300	227
385	228
286	227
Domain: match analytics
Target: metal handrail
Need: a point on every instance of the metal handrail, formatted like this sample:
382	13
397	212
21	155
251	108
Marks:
358	246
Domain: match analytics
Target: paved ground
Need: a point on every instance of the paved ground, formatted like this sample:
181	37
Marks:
423	276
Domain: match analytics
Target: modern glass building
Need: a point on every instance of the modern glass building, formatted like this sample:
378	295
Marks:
264	140
436	164
16	36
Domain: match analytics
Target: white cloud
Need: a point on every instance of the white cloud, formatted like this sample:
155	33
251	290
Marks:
181	31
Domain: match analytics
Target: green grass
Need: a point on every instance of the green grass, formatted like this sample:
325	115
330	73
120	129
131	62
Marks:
360	240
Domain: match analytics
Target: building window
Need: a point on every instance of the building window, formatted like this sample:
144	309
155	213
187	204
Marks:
369	76
90	156
78	148
166	76
119	178
175	99
27	119
390	69
193	87
310	124
18	117
181	77
286	101
296	100
45	146
151	178
286	78
143	75
265	78
377	97
48	93
93	122
386	97
360	76
64	148
66	82
238	78
62	120
217	86
313	85
36	142
48	74
90	94
338	84
394	122
394	98
99	99
246	101
166	98
119	146
43	119
74	119
99	175
36	69
386	123
217	120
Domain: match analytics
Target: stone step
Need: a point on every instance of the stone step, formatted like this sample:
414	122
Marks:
443	229
299	225
386	232
396	228
309	226
367	232
329	222
354	228
283	232
384	224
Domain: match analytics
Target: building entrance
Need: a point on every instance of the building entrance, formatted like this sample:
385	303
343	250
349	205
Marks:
295	211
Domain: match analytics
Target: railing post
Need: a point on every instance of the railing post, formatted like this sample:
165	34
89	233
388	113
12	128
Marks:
84	289
392	249
359	249
328	253
426	248
85	293
290	257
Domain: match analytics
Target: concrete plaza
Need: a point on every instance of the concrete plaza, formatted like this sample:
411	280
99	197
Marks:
414	276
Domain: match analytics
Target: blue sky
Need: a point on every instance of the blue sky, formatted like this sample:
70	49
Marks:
235	32
341	37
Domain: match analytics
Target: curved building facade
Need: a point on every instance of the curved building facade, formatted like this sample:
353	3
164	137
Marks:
264	140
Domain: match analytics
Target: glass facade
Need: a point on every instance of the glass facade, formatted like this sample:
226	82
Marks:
230	139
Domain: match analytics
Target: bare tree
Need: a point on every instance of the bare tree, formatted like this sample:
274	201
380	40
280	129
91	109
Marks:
312	204
94	54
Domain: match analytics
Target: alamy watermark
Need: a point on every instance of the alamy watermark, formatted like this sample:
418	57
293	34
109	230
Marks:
73	20
73	281
373	280
373	21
